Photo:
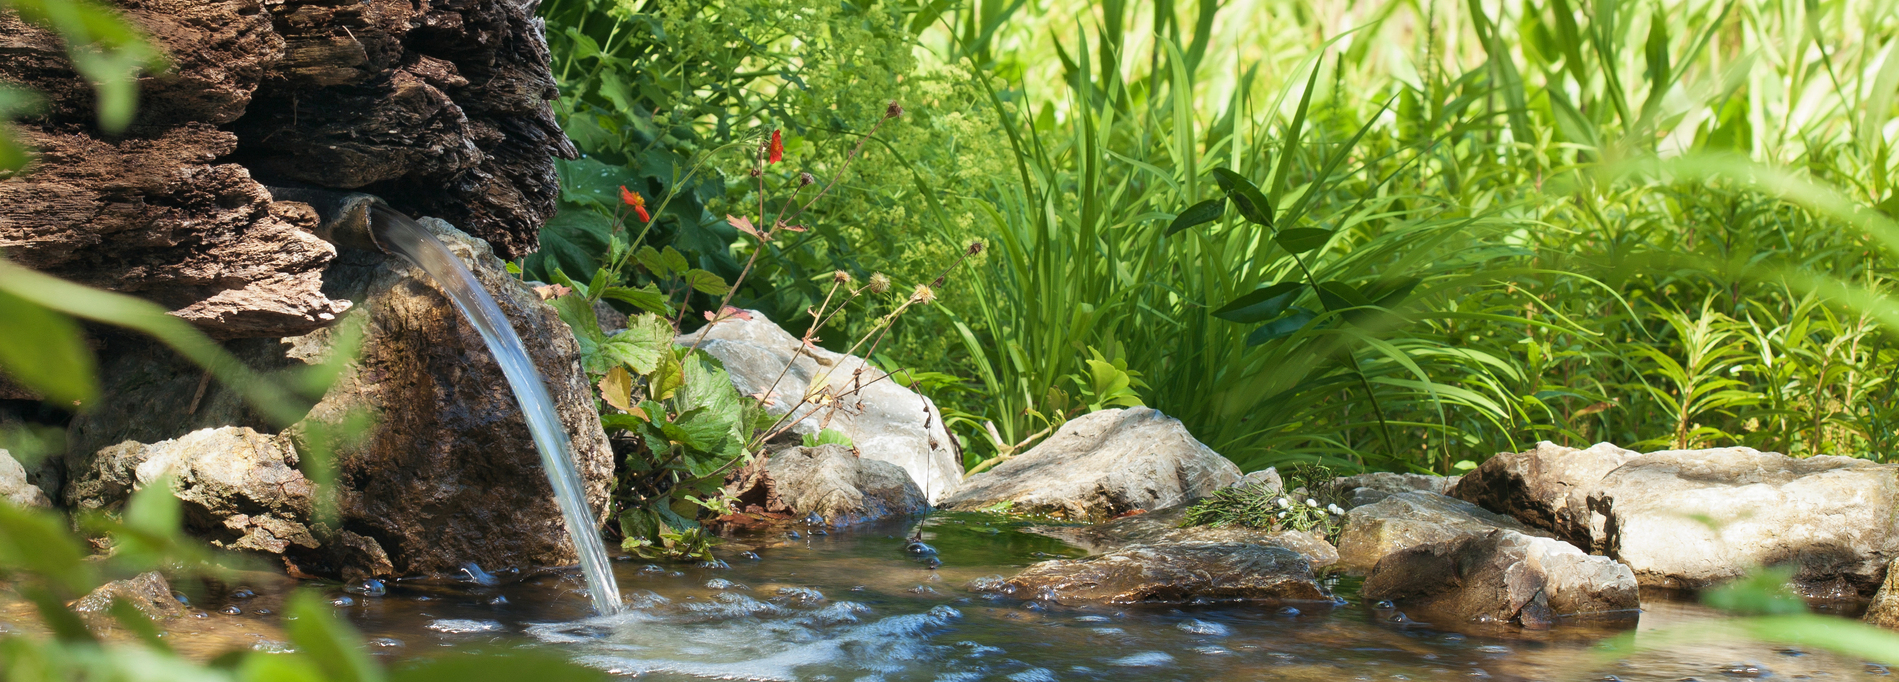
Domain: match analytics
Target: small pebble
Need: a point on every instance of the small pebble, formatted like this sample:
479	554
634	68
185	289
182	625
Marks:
231	610
385	642
369	588
793	535
342	600
499	600
751	555
243	593
715	563
1201	627
1287	611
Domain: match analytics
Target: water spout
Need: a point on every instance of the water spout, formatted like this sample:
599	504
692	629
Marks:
363	221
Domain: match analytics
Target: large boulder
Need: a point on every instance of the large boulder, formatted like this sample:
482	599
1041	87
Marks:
1688	519
1503	576
1362	489
14	486
1101	465
1169	526
1884	611
240	489
1169	573
448	474
1408	519
884	420
1546	487
829	481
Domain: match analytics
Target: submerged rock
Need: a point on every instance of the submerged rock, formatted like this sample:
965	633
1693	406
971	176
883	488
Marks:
1884	611
1688	519
148	592
1169	573
240	489
885	421
448	474
1503	576
1364	489
839	487
1166	526
1409	519
14	486
1101	465
1546	487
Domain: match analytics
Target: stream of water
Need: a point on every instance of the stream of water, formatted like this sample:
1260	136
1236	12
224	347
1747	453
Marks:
404	237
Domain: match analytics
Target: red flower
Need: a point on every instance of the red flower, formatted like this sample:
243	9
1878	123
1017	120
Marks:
638	203
776	152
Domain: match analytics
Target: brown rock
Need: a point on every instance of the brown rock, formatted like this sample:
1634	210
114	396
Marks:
1502	576
1168	526
148	592
1884	611
1405	520
239	488
449	474
1169	573
829	481
1546	487
158	218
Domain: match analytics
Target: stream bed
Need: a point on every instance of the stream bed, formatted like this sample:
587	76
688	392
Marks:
853	605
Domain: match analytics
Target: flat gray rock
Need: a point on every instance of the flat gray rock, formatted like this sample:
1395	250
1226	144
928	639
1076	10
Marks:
14	486
1101	465
885	421
1503	576
1688	519
1546	487
1165	526
1169	573
1408	519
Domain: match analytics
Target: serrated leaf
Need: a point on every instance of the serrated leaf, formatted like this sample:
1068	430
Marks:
1302	239
654	263
706	282
675	260
666	378
1280	328
639	346
1252	204
1197	214
647	298
616	388
1264	303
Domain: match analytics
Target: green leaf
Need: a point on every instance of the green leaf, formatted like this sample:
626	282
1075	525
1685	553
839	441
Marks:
826	437
655	263
1338	295
262	667
153	509
1302	239
639	346
647	298
39	543
519	664
1197	214
334	646
1264	303
1246	197
706	282
1280	328
572	241
577	312
45	351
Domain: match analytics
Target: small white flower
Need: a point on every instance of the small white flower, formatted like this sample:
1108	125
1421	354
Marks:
1312	503
1283	504
1282	515
1335	509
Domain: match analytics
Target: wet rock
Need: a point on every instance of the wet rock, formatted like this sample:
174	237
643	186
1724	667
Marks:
358	559
1688	519
1169	573
885	421
239	488
1167	526
449	474
14	486
1408	519
1884	611
1546	487
1503	576
1101	465
828	481
148	592
1364	489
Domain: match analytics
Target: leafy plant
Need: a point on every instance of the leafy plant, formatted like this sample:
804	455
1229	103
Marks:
826	437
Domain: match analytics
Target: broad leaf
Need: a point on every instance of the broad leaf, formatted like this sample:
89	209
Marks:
1197	214
1340	296
616	388
1264	303
706	282
639	346
1302	239
1280	328
647	298
1246	197
44	351
332	644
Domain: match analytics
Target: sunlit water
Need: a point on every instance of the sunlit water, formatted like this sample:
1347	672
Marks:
853	606
403	236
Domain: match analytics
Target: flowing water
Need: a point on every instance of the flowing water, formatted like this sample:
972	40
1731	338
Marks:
852	605
402	236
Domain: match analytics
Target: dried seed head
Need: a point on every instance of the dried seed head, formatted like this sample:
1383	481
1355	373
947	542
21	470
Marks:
894	110
879	283
923	294
805	179
756	172
975	248
841	277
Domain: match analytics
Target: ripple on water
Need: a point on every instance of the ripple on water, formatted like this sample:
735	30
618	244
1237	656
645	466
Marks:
458	626
1145	659
1201	627
1034	675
